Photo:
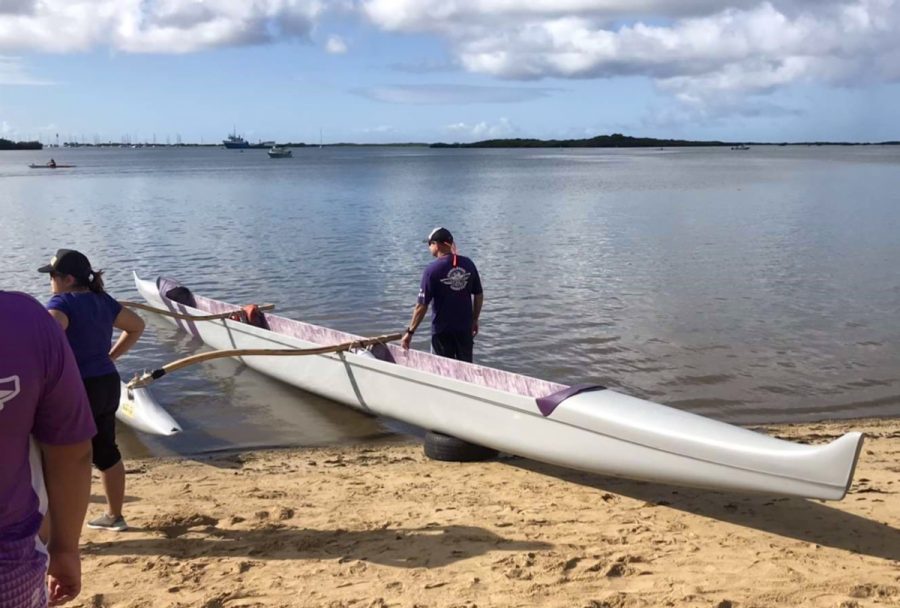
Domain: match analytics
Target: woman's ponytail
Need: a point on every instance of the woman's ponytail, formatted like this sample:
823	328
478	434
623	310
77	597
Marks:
95	283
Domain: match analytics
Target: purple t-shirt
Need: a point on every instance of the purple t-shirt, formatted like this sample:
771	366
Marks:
450	282
41	398
91	317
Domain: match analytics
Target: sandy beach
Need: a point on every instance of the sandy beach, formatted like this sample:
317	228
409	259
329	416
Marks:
381	525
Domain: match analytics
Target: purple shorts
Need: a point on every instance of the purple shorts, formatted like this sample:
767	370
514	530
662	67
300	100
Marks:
23	574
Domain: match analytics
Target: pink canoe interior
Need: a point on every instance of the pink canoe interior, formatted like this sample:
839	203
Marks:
489	377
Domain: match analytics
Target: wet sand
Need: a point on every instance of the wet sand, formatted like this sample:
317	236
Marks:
381	525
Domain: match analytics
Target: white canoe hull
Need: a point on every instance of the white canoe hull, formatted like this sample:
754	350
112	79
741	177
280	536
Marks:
140	410
599	431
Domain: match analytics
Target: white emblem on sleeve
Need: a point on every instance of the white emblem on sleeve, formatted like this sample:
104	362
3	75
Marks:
9	388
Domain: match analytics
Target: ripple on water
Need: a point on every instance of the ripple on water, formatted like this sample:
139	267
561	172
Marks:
742	292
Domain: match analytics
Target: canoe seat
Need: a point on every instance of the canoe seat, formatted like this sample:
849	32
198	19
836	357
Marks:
176	292
251	315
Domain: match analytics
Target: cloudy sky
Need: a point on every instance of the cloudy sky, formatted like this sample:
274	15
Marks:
449	70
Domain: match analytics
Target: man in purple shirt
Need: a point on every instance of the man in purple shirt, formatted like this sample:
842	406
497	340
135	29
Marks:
452	284
45	457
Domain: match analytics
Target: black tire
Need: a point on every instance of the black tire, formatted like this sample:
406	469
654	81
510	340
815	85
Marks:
450	449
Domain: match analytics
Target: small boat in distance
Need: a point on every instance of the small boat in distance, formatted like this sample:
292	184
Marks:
740	147
50	166
280	152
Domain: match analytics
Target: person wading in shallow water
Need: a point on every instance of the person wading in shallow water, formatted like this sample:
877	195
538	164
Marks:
451	282
88	315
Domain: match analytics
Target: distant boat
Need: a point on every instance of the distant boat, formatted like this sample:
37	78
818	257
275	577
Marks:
280	152
236	142
740	147
49	166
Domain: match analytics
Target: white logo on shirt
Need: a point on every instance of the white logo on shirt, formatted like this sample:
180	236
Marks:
457	279
9	388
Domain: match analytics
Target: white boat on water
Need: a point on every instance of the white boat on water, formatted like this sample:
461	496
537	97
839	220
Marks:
587	428
140	410
280	152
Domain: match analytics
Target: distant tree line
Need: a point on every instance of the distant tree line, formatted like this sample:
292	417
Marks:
617	140
6	144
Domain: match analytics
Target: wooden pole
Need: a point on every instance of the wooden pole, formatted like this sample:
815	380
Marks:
148	377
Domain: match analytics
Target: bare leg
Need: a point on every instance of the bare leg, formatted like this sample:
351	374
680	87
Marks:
114	487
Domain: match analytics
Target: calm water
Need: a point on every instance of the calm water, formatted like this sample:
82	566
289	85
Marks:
752	287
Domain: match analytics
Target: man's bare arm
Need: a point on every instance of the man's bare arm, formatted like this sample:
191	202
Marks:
418	315
476	312
67	475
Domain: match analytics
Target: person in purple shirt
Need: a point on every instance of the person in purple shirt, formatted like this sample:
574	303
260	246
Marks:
452	285
88	315
45	457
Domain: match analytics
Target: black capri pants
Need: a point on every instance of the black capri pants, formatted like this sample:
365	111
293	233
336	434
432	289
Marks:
103	392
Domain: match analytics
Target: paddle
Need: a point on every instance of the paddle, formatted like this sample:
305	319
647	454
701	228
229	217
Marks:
149	377
178	315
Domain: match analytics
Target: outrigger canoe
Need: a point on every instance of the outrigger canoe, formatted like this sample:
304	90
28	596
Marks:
57	166
589	428
140	410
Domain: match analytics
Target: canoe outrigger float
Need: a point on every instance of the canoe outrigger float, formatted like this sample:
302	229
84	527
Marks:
138	409
589	428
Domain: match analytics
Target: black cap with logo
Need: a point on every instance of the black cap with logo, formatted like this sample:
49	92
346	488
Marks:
69	261
439	235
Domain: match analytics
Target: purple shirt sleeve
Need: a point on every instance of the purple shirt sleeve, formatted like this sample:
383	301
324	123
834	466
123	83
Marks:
476	282
63	414
114	306
59	303
426	293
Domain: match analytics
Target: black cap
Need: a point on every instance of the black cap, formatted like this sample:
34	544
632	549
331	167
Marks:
440	235
69	261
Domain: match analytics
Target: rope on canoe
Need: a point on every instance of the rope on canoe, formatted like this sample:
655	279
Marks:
148	377
179	315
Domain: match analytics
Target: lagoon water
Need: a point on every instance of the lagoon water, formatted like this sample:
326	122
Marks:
749	286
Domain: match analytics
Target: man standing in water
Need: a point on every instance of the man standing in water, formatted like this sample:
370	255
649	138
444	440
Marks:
451	281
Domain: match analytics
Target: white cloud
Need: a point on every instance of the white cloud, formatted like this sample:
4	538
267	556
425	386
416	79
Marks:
13	72
451	94
702	52
447	15
697	50
483	130
152	26
336	45
426	66
379	129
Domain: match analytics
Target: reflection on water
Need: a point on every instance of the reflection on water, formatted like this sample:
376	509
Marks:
754	287
223	404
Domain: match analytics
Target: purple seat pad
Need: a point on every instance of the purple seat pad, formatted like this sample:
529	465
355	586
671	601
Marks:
550	402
